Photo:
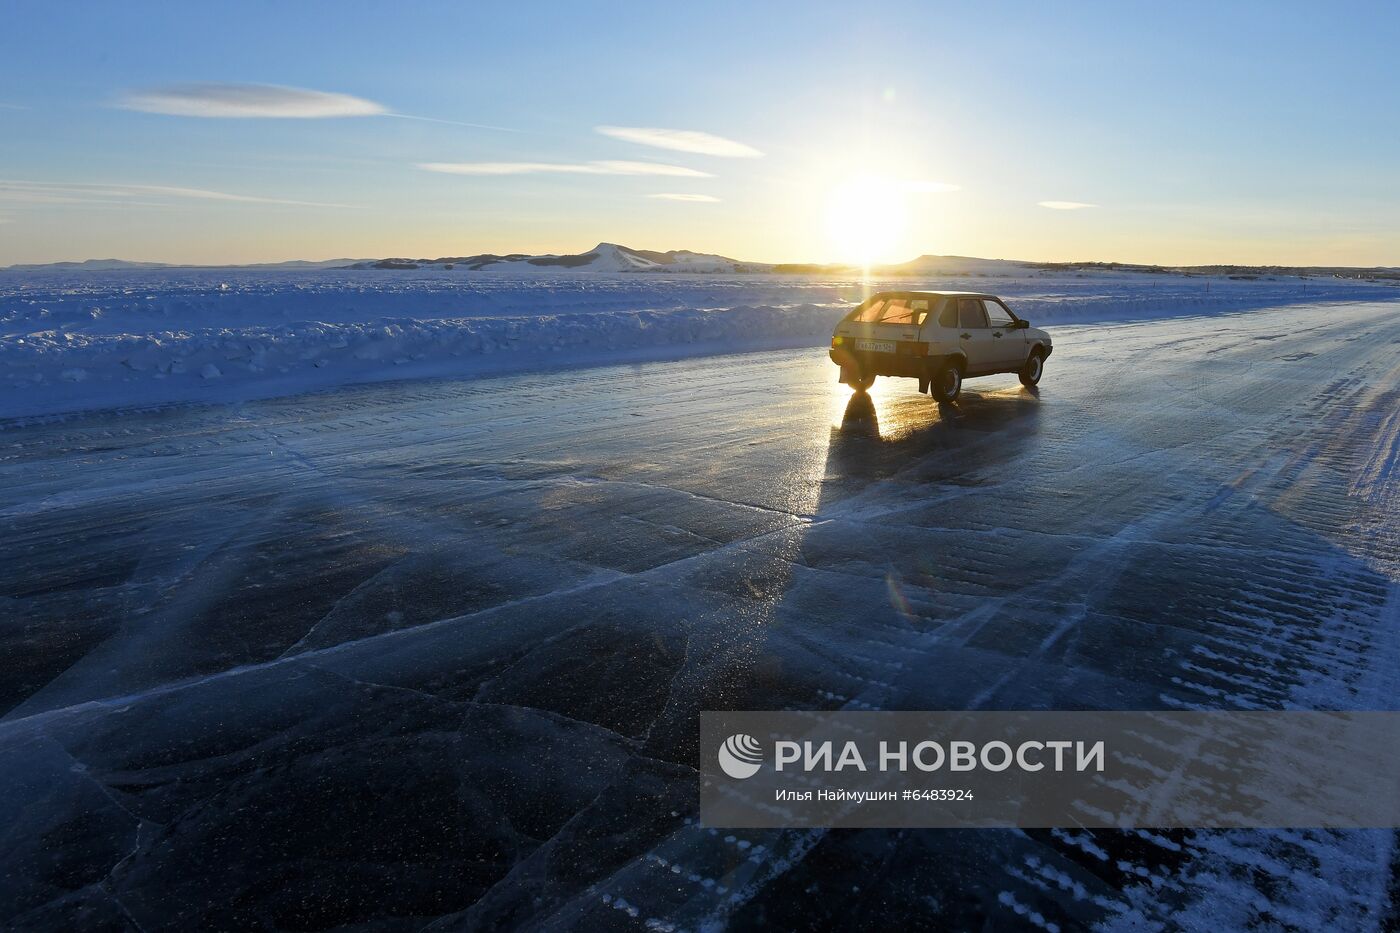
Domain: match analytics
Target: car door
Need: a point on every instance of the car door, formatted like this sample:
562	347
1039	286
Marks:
975	337
1009	344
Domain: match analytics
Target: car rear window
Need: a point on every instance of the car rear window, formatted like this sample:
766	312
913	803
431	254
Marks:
910	311
871	312
906	311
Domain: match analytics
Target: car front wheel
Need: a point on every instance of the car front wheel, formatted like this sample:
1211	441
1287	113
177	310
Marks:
947	383
1031	371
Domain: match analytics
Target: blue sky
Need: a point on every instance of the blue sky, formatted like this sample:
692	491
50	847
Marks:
1194	132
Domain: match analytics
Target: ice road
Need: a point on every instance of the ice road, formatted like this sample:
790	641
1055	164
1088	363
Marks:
431	654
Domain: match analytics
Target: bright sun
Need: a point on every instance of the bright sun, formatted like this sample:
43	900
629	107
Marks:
867	217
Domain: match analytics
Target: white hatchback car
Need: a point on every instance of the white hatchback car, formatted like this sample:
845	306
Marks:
939	338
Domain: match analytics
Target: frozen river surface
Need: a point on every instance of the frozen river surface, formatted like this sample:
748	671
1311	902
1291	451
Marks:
431	654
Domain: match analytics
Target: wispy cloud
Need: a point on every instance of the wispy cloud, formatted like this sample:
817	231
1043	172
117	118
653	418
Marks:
46	192
207	195
23	192
648	168
247	100
475	126
562	168
681	141
5	106
695	198
1064	205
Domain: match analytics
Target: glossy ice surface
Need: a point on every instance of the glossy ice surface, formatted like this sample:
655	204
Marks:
432	652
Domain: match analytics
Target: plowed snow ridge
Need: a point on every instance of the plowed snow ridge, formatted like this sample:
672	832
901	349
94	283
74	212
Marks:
71	342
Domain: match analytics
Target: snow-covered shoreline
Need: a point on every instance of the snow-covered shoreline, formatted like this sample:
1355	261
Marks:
80	341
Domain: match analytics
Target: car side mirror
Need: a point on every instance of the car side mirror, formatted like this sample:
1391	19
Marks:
1019	324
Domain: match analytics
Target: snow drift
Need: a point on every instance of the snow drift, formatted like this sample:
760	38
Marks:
72	341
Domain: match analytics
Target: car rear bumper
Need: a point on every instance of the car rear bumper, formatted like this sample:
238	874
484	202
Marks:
867	363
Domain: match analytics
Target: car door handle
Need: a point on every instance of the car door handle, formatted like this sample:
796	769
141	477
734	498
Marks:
997	334
965	336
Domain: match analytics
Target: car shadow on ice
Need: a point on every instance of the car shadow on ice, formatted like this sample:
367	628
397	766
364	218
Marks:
880	435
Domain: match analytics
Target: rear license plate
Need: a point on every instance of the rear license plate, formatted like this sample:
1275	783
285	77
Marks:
875	346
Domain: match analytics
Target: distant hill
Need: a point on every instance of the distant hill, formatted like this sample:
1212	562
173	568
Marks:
615	258
956	265
1364	273
110	265
605	257
89	265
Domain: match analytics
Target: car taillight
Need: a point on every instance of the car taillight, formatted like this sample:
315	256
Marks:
837	340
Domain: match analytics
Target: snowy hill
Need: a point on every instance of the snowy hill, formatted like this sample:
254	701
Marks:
604	258
956	265
613	258
118	265
87	265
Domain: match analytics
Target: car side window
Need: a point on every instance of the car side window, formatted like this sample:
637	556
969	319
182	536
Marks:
970	313
997	313
949	316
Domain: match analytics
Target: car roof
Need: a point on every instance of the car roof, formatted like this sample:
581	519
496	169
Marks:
932	295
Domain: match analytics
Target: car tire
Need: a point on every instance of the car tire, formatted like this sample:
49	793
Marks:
1032	369
946	383
861	383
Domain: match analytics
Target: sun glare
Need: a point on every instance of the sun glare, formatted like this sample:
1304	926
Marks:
867	219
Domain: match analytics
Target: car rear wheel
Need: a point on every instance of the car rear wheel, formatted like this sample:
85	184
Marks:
1032	369
861	383
947	383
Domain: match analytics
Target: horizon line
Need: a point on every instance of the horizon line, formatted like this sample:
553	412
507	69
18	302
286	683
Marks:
828	264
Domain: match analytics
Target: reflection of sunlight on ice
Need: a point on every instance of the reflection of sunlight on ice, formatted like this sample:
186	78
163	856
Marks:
882	394
838	398
804	496
890	409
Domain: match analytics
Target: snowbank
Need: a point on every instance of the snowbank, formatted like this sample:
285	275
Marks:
93	340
